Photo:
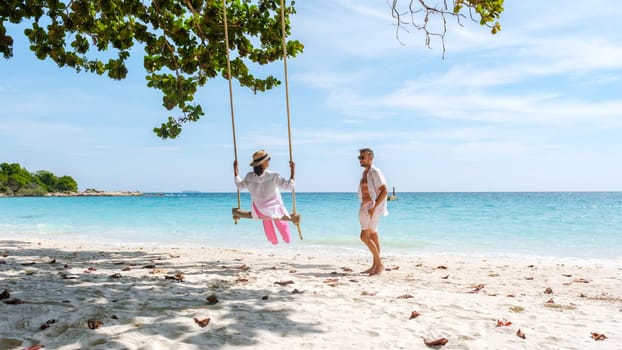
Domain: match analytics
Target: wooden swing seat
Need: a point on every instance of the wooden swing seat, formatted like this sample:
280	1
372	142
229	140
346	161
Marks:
246	214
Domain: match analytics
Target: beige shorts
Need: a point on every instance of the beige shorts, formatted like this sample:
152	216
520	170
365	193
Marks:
368	222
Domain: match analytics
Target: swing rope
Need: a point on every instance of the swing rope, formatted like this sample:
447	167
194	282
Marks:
289	123
235	144
295	217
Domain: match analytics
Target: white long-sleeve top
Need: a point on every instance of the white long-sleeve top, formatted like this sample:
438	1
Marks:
265	192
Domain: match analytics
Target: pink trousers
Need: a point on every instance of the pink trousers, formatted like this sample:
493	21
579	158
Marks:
268	227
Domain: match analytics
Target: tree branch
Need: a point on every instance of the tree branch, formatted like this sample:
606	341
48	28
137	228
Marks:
488	10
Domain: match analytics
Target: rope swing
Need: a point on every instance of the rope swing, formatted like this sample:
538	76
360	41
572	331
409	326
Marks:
237	212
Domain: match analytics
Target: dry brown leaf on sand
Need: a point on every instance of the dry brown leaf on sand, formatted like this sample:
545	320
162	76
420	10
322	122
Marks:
597	336
212	299
548	290
503	323
14	301
35	347
442	267
284	283
202	323
477	288
520	334
435	342
94	324
405	296
47	324
178	277
331	282
414	314
5	294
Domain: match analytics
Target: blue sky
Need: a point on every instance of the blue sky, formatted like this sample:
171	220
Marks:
537	107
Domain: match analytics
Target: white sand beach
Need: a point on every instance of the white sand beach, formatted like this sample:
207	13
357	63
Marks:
93	296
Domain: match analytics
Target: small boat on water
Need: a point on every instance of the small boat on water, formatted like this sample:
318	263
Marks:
392	197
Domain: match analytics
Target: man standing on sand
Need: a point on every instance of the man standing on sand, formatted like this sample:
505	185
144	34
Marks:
373	196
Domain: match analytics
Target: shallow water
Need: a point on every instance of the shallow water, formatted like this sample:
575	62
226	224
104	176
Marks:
557	224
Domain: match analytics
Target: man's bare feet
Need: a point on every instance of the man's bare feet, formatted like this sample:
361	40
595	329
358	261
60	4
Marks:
369	270
378	270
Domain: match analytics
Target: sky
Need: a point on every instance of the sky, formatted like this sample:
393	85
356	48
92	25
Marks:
536	107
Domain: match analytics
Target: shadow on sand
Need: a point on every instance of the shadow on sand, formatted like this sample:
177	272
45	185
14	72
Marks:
128	291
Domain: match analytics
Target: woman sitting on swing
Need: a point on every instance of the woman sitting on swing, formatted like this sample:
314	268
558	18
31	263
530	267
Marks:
266	201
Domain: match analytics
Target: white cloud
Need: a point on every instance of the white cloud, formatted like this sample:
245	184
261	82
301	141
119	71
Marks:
494	90
346	30
38	128
327	80
530	109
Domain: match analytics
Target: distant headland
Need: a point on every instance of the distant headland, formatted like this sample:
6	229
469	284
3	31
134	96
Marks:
17	181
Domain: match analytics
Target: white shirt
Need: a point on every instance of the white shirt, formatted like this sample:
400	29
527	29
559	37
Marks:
265	192
375	179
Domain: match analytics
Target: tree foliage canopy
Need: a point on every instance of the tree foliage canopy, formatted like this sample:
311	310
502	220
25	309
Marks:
17	181
183	40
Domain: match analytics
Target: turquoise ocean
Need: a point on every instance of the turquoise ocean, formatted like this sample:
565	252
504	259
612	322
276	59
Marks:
584	225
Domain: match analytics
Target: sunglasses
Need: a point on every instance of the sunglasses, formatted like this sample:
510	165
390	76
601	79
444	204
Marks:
361	157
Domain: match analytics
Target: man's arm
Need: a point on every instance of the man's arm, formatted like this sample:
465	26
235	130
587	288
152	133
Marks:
381	196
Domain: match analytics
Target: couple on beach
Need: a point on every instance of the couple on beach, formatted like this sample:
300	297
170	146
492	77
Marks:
267	204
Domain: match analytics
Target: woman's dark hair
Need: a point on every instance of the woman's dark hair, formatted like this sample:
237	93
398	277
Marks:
258	169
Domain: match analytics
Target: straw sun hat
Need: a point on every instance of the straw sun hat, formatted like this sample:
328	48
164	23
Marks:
259	158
